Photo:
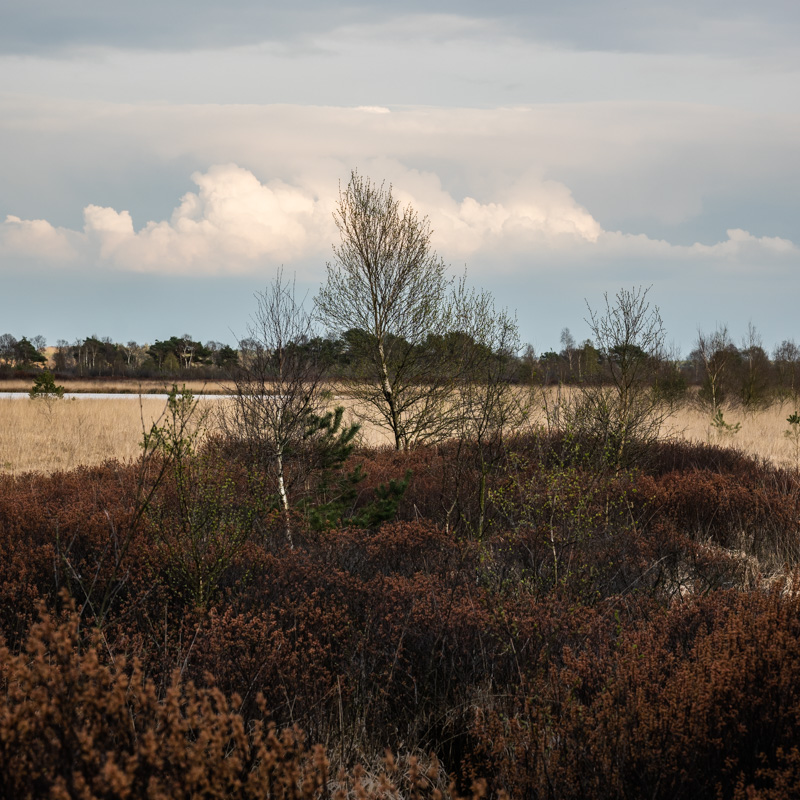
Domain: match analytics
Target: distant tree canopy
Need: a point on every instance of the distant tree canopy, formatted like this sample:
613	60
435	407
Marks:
21	352
184	349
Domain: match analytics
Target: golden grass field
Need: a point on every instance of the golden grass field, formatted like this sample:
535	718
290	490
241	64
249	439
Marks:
51	435
47	436
761	434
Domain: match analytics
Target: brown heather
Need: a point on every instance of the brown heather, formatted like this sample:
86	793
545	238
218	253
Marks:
610	633
73	724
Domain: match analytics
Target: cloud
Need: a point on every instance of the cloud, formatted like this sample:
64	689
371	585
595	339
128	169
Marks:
677	171
740	247
231	225
611	25
532	212
37	239
741	242
235	224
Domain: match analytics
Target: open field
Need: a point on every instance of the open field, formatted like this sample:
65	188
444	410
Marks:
761	434
53	435
48	436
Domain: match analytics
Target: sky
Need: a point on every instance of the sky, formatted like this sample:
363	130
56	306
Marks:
160	161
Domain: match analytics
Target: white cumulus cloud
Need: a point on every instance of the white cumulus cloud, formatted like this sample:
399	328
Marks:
233	223
741	242
37	239
531	213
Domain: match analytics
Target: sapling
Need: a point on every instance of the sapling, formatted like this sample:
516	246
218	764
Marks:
793	435
46	390
45	387
724	429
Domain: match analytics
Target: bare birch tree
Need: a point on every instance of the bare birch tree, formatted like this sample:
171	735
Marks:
388	283
620	410
716	352
489	405
279	408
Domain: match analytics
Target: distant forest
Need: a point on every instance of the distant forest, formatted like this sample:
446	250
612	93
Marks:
744	374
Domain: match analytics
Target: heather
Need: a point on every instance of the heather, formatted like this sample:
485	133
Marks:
520	612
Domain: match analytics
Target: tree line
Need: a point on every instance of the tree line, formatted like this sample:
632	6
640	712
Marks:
744	374
95	356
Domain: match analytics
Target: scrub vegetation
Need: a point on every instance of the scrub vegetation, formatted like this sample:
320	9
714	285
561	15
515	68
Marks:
576	631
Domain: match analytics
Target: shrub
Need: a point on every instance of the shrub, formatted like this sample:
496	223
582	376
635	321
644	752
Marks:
552	653
73	724
44	386
670	711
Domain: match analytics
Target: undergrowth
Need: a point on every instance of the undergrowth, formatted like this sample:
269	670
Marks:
571	631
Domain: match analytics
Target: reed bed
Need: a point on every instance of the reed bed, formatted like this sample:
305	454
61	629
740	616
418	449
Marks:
764	433
51	435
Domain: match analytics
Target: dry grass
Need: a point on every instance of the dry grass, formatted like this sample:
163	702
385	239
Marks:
762	434
47	436
53	435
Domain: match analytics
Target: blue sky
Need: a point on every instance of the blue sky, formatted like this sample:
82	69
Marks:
160	161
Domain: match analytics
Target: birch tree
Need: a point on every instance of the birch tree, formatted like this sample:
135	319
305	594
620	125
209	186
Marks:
621	410
279	410
490	406
387	282
716	351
